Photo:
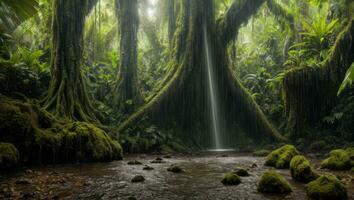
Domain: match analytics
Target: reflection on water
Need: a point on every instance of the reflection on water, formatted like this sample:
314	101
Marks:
201	180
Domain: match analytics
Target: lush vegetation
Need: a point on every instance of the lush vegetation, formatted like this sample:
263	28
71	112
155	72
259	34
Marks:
132	71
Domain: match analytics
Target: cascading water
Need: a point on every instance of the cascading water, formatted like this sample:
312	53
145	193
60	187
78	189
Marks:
212	93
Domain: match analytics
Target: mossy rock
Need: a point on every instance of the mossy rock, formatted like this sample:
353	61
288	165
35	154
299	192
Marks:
261	153
280	158
272	182
9	157
338	160
42	138
326	187
94	143
16	124
301	169
350	152
231	179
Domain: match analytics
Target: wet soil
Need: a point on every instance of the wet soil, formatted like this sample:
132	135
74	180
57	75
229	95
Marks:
200	179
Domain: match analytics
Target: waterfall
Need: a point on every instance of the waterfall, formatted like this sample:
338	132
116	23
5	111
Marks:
212	93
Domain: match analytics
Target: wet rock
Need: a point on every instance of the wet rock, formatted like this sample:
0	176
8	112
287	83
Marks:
280	158
272	182
338	160
301	169
9	157
254	165
132	198
241	172
134	162
167	156
175	169
23	181
27	195
158	160
148	168
261	153
326	187
231	179
137	179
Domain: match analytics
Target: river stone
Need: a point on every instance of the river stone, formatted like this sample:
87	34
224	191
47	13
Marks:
134	162
175	169
231	179
158	160
272	182
138	178
327	187
241	172
148	168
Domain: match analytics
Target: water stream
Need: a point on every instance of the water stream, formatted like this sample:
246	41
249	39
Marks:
212	93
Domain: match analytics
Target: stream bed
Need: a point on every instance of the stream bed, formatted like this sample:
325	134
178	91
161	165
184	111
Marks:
200	179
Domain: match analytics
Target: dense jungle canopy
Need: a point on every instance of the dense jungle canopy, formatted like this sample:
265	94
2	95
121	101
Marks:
86	80
98	80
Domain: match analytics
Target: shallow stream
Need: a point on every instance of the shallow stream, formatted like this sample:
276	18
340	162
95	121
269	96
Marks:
200	180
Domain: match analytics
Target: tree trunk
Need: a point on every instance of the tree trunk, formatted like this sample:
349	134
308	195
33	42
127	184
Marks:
310	92
126	95
182	101
67	95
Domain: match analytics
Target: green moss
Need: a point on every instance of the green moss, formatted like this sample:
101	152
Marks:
42	138
16	122
9	156
301	169
326	187
231	179
338	160
280	158
272	182
261	153
93	142
350	152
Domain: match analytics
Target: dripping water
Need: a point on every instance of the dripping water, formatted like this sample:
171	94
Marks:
212	94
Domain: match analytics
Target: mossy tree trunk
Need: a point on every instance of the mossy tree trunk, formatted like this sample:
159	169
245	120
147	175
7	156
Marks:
126	95
182	98
310	92
67	95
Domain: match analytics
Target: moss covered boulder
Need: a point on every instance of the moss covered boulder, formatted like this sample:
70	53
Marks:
338	160
9	157
326	187
280	158
42	138
261	153
272	182
350	152
301	169
94	143
231	179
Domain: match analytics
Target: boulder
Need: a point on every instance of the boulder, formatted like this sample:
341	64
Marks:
272	182
280	158
301	169
327	187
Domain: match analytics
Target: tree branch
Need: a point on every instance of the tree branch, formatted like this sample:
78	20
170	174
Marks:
238	13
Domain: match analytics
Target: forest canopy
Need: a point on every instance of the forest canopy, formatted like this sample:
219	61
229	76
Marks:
160	75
